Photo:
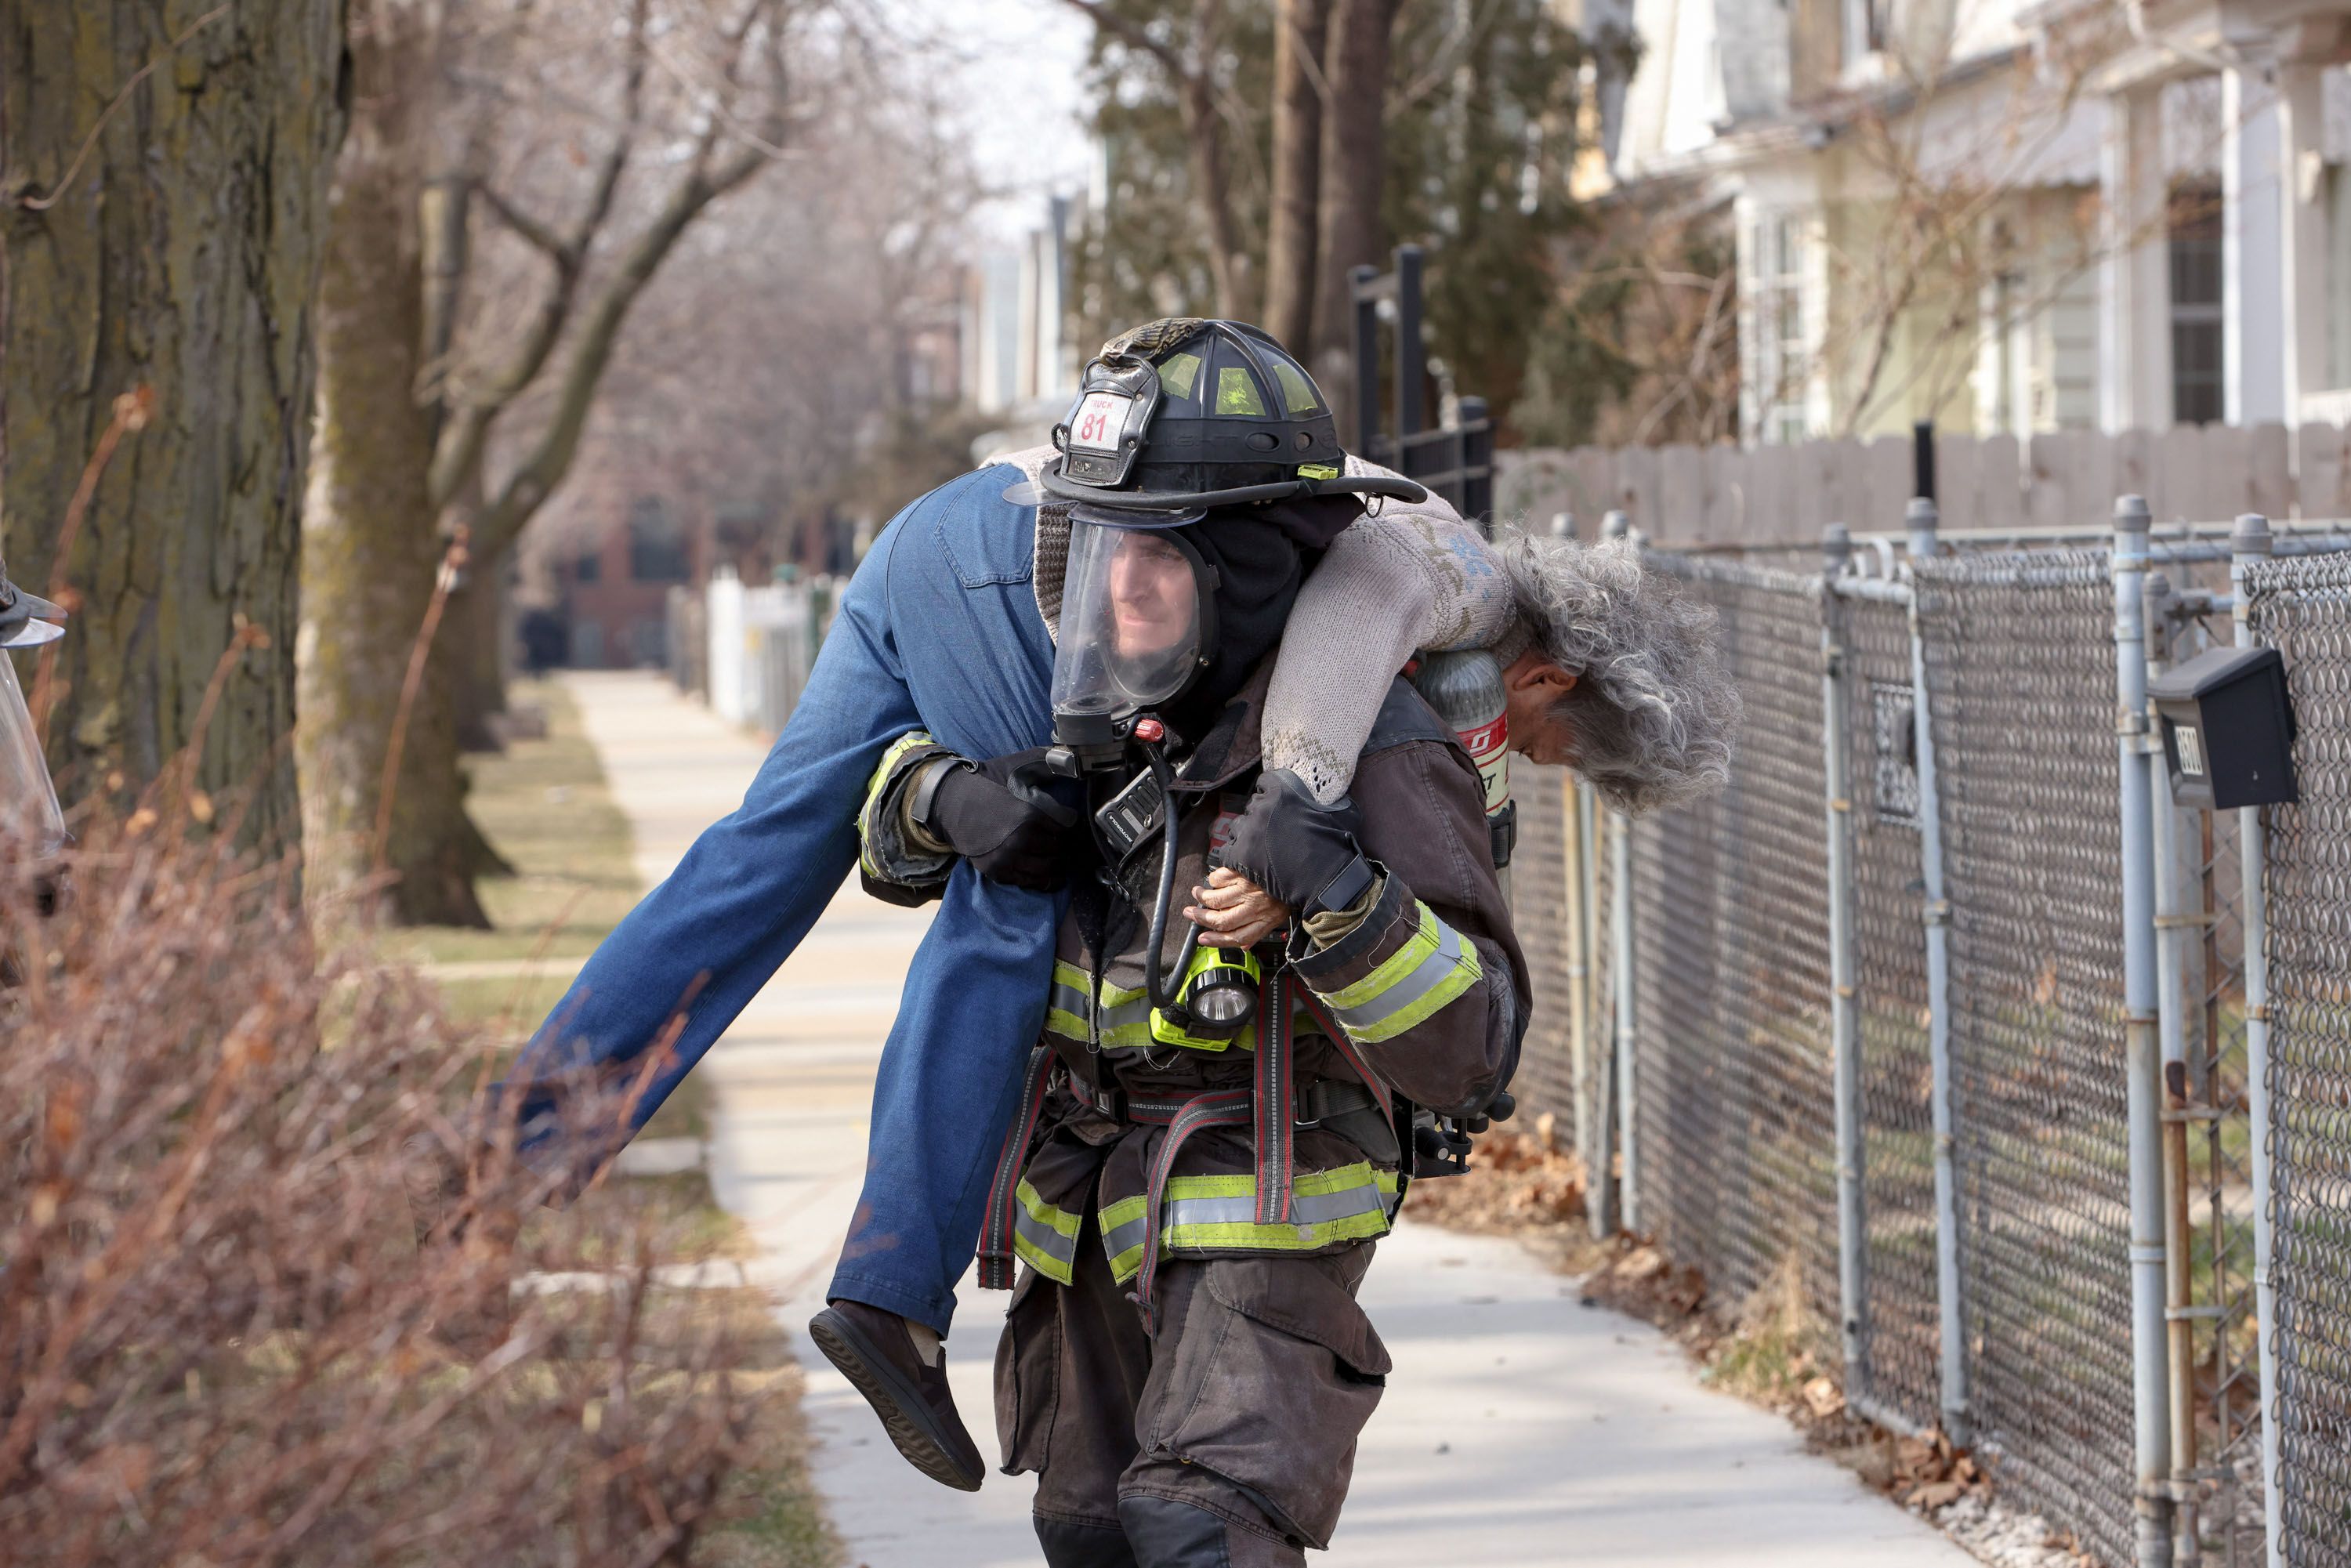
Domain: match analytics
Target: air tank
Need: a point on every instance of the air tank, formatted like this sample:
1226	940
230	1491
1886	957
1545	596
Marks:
1465	687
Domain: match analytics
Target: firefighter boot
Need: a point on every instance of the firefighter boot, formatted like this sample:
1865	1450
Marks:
1165	1533
876	1354
1073	1544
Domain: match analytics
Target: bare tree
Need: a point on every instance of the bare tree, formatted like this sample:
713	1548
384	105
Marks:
661	109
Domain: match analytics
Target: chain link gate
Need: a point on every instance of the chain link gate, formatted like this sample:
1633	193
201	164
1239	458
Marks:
1895	1351
2022	693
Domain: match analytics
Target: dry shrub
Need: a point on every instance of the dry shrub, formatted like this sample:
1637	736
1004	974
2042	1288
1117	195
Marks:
220	1342
1516	1182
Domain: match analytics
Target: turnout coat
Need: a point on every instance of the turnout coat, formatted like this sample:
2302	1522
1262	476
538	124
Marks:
1179	1151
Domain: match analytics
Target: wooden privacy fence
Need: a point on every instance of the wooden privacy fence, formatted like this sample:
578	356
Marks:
1686	495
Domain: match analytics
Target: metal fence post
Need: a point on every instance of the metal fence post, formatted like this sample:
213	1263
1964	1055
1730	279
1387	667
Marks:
1844	1035
1599	1151
2149	1335
2249	543
1921	521
1617	526
2174	925
1577	849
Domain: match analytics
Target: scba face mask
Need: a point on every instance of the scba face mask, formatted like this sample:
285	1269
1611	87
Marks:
1138	622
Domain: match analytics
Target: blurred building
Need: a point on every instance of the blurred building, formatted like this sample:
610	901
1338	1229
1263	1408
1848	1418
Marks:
1020	358
2140	212
612	568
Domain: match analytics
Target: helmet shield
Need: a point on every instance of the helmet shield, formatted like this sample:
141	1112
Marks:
28	801
1135	618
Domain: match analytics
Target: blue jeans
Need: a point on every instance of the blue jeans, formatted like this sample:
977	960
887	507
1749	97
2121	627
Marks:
938	630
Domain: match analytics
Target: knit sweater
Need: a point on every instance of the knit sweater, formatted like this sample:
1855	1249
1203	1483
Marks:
1403	578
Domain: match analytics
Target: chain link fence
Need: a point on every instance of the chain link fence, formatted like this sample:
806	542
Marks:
1906	913
2303	608
2021	689
1899	1365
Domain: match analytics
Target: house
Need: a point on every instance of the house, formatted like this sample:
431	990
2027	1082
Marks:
2009	216
614	579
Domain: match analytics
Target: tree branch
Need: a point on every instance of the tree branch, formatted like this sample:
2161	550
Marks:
1134	36
465	437
541	238
535	478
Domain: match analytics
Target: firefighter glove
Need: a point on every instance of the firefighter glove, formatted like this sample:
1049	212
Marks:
997	815
1301	851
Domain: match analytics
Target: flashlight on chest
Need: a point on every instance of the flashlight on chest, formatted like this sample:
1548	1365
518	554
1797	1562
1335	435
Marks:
1214	999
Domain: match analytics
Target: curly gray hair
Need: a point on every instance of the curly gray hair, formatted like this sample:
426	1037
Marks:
1655	714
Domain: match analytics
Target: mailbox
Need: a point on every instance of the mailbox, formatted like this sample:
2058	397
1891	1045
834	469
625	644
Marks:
2228	728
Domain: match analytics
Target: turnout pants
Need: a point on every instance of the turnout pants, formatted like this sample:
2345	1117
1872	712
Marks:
1227	1440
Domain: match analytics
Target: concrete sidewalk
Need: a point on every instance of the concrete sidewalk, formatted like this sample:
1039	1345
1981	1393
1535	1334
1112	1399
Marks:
1518	1429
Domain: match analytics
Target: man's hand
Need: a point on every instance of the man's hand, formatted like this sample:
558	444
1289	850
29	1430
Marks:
1008	828
1234	912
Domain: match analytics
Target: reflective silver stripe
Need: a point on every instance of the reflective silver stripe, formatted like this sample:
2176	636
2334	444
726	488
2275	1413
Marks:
1068	999
1135	1011
1041	1235
1124	1238
1316	1208
1433	971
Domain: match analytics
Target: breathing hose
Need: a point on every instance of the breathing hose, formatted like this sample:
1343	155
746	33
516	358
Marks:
1153	970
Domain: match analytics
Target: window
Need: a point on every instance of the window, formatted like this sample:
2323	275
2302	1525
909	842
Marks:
2198	328
2338	274
1782	352
590	568
656	544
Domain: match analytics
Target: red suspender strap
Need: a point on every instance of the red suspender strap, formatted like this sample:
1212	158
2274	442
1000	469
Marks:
996	1260
1272	1099
1225	1108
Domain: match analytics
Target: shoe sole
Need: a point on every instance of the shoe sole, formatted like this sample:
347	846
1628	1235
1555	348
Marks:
905	1415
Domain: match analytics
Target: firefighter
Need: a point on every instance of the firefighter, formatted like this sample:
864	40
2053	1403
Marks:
1221	1111
1184	1364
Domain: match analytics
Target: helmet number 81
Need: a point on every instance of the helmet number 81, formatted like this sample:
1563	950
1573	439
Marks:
1099	419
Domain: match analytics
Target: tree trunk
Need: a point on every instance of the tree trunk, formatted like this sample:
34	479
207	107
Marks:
1300	27
475	630
1351	233
371	549
473	634
1231	267
177	247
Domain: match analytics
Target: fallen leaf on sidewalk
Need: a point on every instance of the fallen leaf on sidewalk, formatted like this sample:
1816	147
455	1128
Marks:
1642	1263
1823	1399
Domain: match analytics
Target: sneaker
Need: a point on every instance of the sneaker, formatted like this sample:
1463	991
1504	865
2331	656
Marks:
874	1352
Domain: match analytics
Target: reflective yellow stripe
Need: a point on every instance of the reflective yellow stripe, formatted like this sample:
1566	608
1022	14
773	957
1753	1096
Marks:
1065	1013
1122	1230
1457	979
1209	1213
1400	963
874	788
1398	996
1045	1237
